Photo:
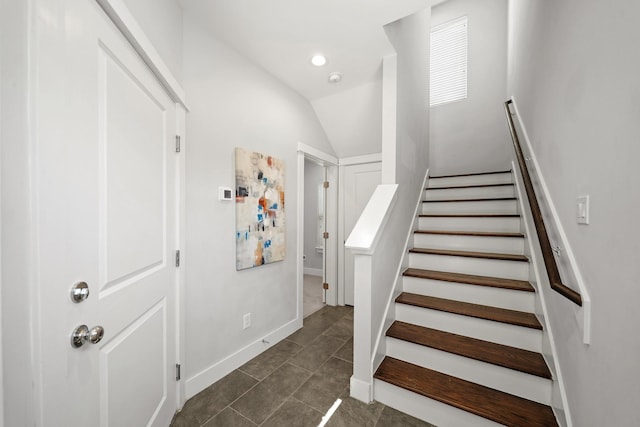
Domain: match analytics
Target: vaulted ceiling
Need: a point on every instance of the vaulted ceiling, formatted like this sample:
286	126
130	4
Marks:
282	35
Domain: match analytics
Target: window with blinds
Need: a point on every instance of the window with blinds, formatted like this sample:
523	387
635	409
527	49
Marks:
448	68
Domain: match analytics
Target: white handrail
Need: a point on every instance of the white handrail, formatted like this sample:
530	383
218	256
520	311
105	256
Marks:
365	235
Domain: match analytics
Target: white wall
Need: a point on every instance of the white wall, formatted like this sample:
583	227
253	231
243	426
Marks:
352	119
161	21
410	38
313	176
573	70
409	157
234	103
471	135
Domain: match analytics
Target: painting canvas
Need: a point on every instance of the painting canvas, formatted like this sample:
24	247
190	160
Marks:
260	237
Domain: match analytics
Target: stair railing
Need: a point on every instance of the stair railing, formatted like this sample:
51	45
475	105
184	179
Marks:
545	245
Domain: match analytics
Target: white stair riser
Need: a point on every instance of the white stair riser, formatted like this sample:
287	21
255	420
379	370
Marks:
499	224
507	380
469	193
485	206
488	330
484	295
504	245
429	410
466	265
494	178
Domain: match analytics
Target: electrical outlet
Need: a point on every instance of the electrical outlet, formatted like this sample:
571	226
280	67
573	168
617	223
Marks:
246	321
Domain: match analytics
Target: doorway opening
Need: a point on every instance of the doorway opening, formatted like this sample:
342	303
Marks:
317	248
314	242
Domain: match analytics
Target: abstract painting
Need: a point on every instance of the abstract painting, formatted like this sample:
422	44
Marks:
260	235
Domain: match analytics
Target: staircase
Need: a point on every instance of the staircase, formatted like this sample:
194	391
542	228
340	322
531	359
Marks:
465	346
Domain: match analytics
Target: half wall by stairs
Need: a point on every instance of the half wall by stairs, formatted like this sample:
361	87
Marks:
465	346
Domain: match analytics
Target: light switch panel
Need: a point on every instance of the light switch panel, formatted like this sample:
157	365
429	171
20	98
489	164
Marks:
225	193
582	214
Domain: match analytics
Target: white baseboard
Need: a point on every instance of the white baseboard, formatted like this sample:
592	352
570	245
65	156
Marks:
313	271
215	372
361	390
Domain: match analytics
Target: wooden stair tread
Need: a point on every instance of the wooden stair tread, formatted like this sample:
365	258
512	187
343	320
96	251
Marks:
513	317
471	233
470	254
469	215
485	402
469	186
469	174
494	282
490	199
514	358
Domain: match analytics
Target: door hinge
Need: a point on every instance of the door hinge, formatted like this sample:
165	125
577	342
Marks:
326	184
325	235
177	372
177	143
325	286
177	258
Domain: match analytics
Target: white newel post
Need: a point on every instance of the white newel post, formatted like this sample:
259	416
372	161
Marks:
363	242
362	379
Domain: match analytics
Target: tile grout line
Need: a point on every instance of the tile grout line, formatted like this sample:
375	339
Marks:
239	413
280	366
291	395
288	360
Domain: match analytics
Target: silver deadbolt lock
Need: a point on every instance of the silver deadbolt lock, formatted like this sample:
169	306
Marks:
79	292
82	334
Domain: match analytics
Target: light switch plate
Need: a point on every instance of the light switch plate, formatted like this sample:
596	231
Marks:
225	193
582	212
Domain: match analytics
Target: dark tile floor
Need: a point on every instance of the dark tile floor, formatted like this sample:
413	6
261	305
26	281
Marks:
293	384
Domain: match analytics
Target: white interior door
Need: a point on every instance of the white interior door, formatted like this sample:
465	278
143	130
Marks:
107	210
360	181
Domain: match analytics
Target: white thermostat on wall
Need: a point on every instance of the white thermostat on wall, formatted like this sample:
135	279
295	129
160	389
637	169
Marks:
225	193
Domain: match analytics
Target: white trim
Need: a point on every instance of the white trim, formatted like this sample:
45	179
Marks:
181	273
128	26
313	271
332	244
312	152
378	354
215	372
300	235
585	310
358	160
520	193
361	390
341	237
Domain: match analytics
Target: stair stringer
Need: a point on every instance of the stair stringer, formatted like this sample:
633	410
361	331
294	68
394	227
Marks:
537	278
380	349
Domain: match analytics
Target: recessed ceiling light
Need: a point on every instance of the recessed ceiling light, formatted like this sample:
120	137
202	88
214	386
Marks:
318	60
335	77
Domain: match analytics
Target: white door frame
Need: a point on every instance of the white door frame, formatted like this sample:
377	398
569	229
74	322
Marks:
129	27
331	246
342	237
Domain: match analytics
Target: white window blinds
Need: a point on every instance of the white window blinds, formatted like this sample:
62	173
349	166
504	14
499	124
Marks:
448	68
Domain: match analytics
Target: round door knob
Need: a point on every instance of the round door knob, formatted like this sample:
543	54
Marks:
79	292
82	334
